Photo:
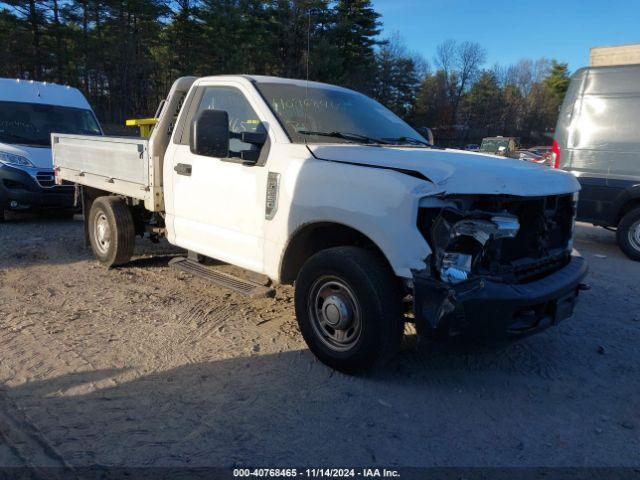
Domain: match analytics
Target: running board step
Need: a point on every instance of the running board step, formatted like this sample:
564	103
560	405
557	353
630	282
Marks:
239	285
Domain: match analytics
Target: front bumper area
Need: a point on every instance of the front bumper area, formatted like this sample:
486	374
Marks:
482	307
19	191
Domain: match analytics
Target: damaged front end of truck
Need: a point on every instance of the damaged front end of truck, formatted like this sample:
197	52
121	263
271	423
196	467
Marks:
500	265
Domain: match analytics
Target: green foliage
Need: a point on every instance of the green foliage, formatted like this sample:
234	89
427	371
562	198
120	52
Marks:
125	54
521	100
396	78
484	103
356	26
432	107
558	79
13	35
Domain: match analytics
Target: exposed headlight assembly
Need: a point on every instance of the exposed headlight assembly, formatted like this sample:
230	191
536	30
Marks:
15	160
483	230
455	266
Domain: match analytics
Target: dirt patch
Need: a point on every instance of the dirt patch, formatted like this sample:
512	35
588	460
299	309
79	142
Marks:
145	365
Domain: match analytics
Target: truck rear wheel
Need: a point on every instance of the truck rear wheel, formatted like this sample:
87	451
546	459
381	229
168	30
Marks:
628	234
348	306
111	231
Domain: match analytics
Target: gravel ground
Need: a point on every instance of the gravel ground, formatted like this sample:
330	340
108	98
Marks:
145	366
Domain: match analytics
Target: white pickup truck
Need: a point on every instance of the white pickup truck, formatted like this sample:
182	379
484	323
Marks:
322	187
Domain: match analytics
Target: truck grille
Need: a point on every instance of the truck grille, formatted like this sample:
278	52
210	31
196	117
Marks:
46	179
542	244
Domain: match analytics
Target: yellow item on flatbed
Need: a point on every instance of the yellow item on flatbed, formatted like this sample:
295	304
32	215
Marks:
145	124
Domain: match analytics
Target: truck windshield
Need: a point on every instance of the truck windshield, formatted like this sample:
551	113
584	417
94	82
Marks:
492	146
32	123
329	115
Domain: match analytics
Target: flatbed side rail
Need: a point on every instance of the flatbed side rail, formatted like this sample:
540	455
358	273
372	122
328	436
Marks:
118	165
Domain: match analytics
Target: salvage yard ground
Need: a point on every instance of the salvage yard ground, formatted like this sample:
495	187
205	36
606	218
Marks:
145	366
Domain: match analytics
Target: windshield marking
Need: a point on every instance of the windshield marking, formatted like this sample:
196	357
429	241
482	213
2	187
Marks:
328	110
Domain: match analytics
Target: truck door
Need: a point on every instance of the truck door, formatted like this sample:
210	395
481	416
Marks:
219	203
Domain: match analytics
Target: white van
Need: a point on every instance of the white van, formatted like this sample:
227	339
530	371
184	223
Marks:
598	140
29	112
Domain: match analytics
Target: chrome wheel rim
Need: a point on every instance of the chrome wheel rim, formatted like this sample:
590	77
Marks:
634	235
102	233
335	313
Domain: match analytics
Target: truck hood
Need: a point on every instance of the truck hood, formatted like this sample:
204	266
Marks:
39	156
456	171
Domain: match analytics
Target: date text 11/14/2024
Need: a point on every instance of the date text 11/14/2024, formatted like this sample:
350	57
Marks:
315	473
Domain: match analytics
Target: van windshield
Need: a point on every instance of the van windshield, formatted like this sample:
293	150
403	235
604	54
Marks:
32	123
329	115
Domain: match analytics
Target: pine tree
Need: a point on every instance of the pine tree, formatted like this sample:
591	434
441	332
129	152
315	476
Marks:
396	80
32	13
124	55
483	104
180	49
558	79
13	36
357	26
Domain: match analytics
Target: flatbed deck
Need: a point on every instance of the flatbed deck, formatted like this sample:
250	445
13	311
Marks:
119	165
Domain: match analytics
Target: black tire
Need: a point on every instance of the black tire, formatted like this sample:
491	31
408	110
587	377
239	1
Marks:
628	234
114	246
371	293
2	217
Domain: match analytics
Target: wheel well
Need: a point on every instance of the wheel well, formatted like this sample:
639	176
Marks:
140	214
627	207
313	238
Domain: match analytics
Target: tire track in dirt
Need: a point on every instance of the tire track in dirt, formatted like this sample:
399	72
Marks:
144	366
38	355
26	441
200	311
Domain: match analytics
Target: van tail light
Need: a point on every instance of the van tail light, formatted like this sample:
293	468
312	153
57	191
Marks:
555	154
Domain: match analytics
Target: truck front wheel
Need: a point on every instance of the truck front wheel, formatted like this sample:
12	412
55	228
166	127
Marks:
628	234
348	306
111	231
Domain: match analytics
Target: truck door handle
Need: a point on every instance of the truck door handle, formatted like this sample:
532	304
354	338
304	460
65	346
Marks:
183	169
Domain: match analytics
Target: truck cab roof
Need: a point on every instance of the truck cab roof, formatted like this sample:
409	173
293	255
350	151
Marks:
272	79
30	91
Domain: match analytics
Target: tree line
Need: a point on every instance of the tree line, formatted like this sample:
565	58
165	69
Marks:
124	55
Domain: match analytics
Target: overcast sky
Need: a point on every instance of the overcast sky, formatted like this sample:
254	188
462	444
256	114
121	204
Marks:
515	29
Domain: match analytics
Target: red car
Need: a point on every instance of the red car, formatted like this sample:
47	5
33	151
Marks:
544	154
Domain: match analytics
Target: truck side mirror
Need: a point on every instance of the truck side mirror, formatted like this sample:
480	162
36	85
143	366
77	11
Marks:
427	134
209	134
